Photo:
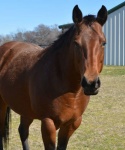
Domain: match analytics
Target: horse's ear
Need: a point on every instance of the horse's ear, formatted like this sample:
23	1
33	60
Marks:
77	15
102	15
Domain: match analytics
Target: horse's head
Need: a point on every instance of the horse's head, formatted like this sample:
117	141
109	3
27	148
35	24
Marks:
90	40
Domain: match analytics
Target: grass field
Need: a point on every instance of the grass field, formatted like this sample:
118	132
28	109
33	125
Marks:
103	125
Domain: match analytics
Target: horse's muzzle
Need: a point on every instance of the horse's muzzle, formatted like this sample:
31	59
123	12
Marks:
91	87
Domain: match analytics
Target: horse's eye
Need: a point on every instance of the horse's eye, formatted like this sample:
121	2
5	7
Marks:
103	44
76	45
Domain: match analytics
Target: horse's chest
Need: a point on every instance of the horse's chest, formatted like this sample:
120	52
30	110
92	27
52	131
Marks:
69	108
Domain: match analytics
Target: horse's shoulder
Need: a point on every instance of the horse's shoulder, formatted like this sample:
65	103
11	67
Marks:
19	54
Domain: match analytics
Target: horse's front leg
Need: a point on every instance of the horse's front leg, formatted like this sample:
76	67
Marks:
3	134
65	133
48	130
24	131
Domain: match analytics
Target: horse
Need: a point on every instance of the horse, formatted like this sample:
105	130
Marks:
53	84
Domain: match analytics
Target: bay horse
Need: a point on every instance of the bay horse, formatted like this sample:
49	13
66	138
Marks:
53	84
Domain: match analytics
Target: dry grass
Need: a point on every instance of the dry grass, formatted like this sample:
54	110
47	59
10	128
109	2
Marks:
103	125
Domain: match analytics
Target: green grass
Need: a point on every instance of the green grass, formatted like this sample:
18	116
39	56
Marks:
114	71
103	125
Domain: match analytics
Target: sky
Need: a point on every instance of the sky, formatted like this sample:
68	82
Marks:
25	15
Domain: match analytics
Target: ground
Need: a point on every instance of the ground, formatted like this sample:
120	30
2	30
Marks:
103	125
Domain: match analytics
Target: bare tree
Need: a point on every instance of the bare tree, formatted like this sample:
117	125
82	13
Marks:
4	39
41	35
19	36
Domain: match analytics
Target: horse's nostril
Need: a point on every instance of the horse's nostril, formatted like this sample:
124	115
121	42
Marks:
96	86
90	87
91	84
98	83
84	82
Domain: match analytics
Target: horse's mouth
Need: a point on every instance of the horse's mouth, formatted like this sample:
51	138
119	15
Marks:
89	92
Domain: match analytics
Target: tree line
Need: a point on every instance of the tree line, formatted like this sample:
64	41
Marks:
41	35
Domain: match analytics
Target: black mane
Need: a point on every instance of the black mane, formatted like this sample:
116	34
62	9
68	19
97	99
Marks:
89	19
64	38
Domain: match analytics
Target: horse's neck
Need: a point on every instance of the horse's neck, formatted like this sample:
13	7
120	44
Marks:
69	67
